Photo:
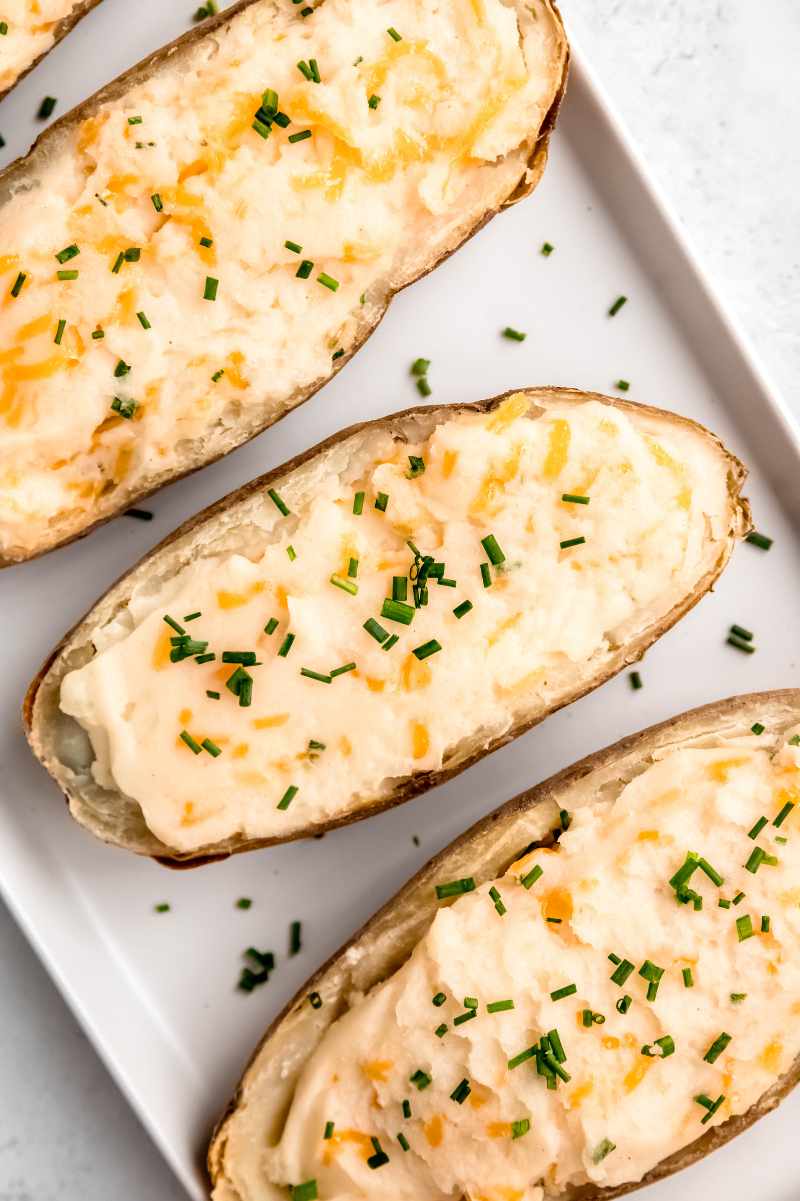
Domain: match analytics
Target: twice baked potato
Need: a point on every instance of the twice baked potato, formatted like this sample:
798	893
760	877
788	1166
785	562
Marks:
371	618
579	996
199	247
28	31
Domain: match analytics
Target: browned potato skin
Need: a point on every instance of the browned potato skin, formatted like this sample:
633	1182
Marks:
39	702
15	174
485	851
62	29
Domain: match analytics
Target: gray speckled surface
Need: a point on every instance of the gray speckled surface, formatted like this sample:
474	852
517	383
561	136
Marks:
710	106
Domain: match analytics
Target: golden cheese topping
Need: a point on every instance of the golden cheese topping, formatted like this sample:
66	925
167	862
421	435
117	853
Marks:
204	248
30	31
656	951
427	592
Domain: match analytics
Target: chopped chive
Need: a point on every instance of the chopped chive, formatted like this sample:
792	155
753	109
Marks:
744	927
62	325
288	797
382	501
570	498
393	34
462	609
416	466
271	625
757	828
493	550
66	276
554	921
717	1047
688	978
532	876
420	366
142	319
498	903
739	897
295	943
328	1131
307	1191
547	249
523	1057
740	645
602	1150
292	553
286	646
665	1045
305	269
622	972
294	247
455	888
125	408
572	542
17	285
486	575
757	728
345	584
784	813
741	632
564	819
205	658
3	28
173	624
315	675
192	743
568	990
69	252
45	109
438	999
406	1108
211	747
636	681
207	242
420	1079
315	1000
340	671
326	280
210	289
246	658
427	649
375	630
617	305
765	924
461	1092
399	588
97	334
118	261
122	369
358	503
158	203
399	611
711	872
403	1141
624	1004
423	387
759	540
132	254
738	997
441	1030
278	502
622	385
710	1106
515	335
499	1006
374	101
300	136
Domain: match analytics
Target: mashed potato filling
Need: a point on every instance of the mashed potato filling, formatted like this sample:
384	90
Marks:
656	950
30	31
428	593
198	254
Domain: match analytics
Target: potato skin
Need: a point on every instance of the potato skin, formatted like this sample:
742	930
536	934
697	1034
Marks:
62	29
15	175
484	851
35	709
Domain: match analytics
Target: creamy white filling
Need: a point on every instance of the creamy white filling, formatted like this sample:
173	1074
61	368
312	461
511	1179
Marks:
608	882
657	507
31	32
372	194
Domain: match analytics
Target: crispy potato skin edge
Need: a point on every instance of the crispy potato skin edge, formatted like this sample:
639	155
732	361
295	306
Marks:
694	720
64	26
424	781
529	179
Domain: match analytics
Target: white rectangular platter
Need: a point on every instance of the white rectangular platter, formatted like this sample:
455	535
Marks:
156	992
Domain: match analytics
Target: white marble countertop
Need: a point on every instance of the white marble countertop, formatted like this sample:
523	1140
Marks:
715	111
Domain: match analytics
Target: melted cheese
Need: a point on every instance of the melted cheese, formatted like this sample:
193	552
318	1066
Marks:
541	626
623	904
370	195
31	33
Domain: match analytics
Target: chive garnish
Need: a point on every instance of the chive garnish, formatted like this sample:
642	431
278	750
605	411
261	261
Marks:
744	927
515	335
499	1006
709	1105
17	285
759	540
739	897
97	334
305	269
498	903
520	1127
622	385
416	466
328	1131
346	585
399	588
393	34
69	252
300	136
741	632
278	502
162	907
547	249
624	1004
295	938
570	498
294	247
62	325
315	1000
784	813
486	575
158	203
462	609
210	289
288	797
757	728
688	978
622	972
717	1047
406	1108
323	278
46	108
382	501
461	1092
212	695
737	997
765	924
493	550
192	743
397	610
617	305
420	1079
172	623
122	368
211	747
358	503
568	542
568	990
403	1141
307	1191
757	828
375	630
340	671
439	999
523	1057
427	649
124	408
66	276
532	876
652	974
441	1030
315	675
455	888
665	1045
118	261
374	101
746	647
602	1150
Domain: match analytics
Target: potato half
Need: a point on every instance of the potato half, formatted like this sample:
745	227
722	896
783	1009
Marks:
200	246
32	33
291	762
258	1112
